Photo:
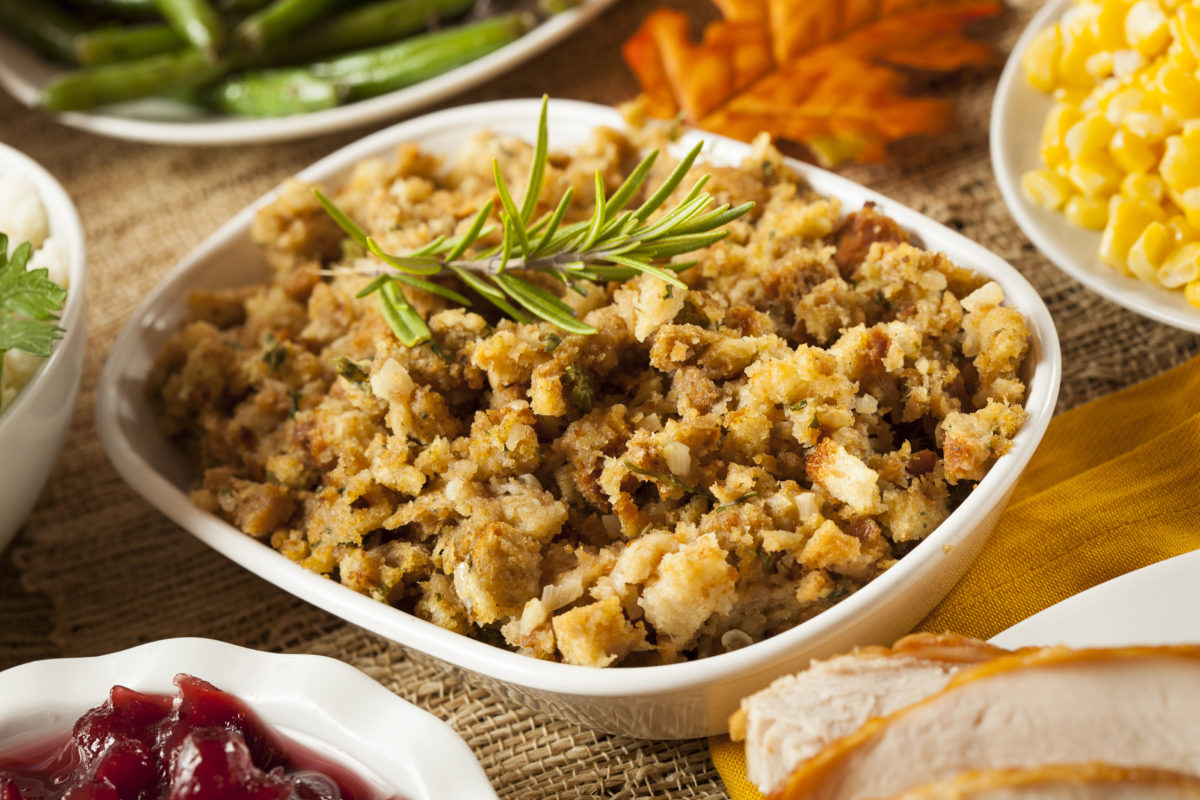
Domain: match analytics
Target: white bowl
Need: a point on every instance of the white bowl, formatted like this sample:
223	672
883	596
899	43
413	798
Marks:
23	73
33	427
1018	112
321	703
672	701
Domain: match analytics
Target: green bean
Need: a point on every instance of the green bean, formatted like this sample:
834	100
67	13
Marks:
275	93
364	73
382	69
196	21
43	25
279	19
372	24
112	43
130	80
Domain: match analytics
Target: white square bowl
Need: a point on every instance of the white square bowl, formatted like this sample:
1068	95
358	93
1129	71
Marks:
671	701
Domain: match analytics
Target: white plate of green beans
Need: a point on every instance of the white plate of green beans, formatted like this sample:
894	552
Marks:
225	72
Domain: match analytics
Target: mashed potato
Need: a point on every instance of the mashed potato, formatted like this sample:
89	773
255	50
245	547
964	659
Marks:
714	466
23	218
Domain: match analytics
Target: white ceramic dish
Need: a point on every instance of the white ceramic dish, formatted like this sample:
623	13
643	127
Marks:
1016	128
324	704
673	701
23	73
1158	604
33	427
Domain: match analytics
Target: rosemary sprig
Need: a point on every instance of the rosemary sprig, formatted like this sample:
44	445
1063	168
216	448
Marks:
615	244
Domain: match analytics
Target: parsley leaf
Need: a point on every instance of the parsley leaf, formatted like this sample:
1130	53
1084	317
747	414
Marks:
30	303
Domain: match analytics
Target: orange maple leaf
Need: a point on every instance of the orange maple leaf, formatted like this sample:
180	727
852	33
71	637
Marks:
824	73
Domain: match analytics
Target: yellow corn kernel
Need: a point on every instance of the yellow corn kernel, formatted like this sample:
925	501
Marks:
1181	267
1072	60
1182	230
1179	89
1054	131
1150	252
1191	293
1127	63
1045	188
1149	126
1185	27
1099	65
1126	221
1140	186
1189	203
1095	179
1041	59
1087	212
1121	102
1089	136
1180	165
1131	153
1146	27
1110	24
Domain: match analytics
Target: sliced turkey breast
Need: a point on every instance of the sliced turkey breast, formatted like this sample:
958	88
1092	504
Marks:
1136	707
1094	781
796	716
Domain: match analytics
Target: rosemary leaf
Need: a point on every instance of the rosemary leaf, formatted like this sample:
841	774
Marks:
415	265
473	232
345	223
669	480
670	184
537	169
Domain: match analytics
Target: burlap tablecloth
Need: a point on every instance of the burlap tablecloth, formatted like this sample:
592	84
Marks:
96	569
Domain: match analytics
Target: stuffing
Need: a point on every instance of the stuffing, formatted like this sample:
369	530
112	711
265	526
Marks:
715	465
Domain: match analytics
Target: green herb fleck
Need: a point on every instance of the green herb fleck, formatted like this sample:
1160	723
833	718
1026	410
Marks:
669	293
733	503
837	594
439	351
351	371
579	388
767	560
798	405
815	424
273	352
553	340
669	480
295	404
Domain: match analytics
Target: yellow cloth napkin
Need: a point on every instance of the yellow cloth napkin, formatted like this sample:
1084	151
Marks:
1113	487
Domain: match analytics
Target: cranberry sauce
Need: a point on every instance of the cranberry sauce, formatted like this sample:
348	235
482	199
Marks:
202	744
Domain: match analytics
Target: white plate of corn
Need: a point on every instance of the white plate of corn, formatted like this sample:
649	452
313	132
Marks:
1095	142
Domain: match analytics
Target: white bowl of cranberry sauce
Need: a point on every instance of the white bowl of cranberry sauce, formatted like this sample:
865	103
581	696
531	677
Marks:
206	720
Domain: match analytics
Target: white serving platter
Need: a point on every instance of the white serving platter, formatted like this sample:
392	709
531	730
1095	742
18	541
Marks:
682	700
23	73
321	703
1018	112
1158	604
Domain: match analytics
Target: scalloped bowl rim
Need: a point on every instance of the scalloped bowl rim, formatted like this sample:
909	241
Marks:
509	666
318	701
